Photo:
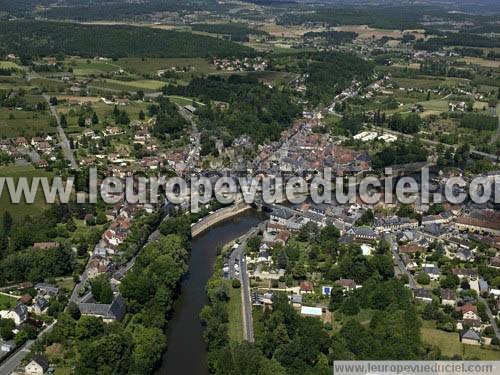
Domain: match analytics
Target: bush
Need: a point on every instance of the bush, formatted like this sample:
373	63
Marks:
236	284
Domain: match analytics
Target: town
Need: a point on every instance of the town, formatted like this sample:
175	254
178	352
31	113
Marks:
234	90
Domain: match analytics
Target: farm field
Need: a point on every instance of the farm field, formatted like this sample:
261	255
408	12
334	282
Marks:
366	32
51	85
428	83
9	65
153	65
117	85
83	68
19	211
15	123
482	62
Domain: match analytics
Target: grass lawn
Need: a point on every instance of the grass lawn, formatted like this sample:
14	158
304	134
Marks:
448	342
450	345
472	352
65	283
19	211
435	105
62	371
15	123
7	302
235	315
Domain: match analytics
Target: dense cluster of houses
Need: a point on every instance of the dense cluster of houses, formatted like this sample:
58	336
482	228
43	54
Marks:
247	64
37	150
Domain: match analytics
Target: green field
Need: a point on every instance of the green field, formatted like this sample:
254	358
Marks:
84	68
104	112
428	83
14	123
153	65
51	85
19	211
146	84
114	84
235	315
7	302
434	106
450	345
9	65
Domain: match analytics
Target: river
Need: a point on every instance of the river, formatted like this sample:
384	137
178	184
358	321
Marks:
186	353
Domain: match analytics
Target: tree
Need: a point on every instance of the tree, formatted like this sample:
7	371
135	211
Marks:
7	222
350	306
101	289
236	284
423	278
367	219
63	121
81	121
70	225
449	281
6	327
336	297
142	116
74	310
95	119
149	344
101	218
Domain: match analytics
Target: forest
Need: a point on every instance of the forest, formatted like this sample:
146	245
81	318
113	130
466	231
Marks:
400	152
395	17
330	73
110	10
38	38
168	121
335	37
238	32
457	39
254	109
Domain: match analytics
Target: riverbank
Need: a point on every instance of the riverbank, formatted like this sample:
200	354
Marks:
217	217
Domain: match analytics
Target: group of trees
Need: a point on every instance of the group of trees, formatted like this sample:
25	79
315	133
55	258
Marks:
237	32
387	17
400	152
28	38
477	121
335	37
457	39
330	72
254	109
393	330
168	121
36	265
408	124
